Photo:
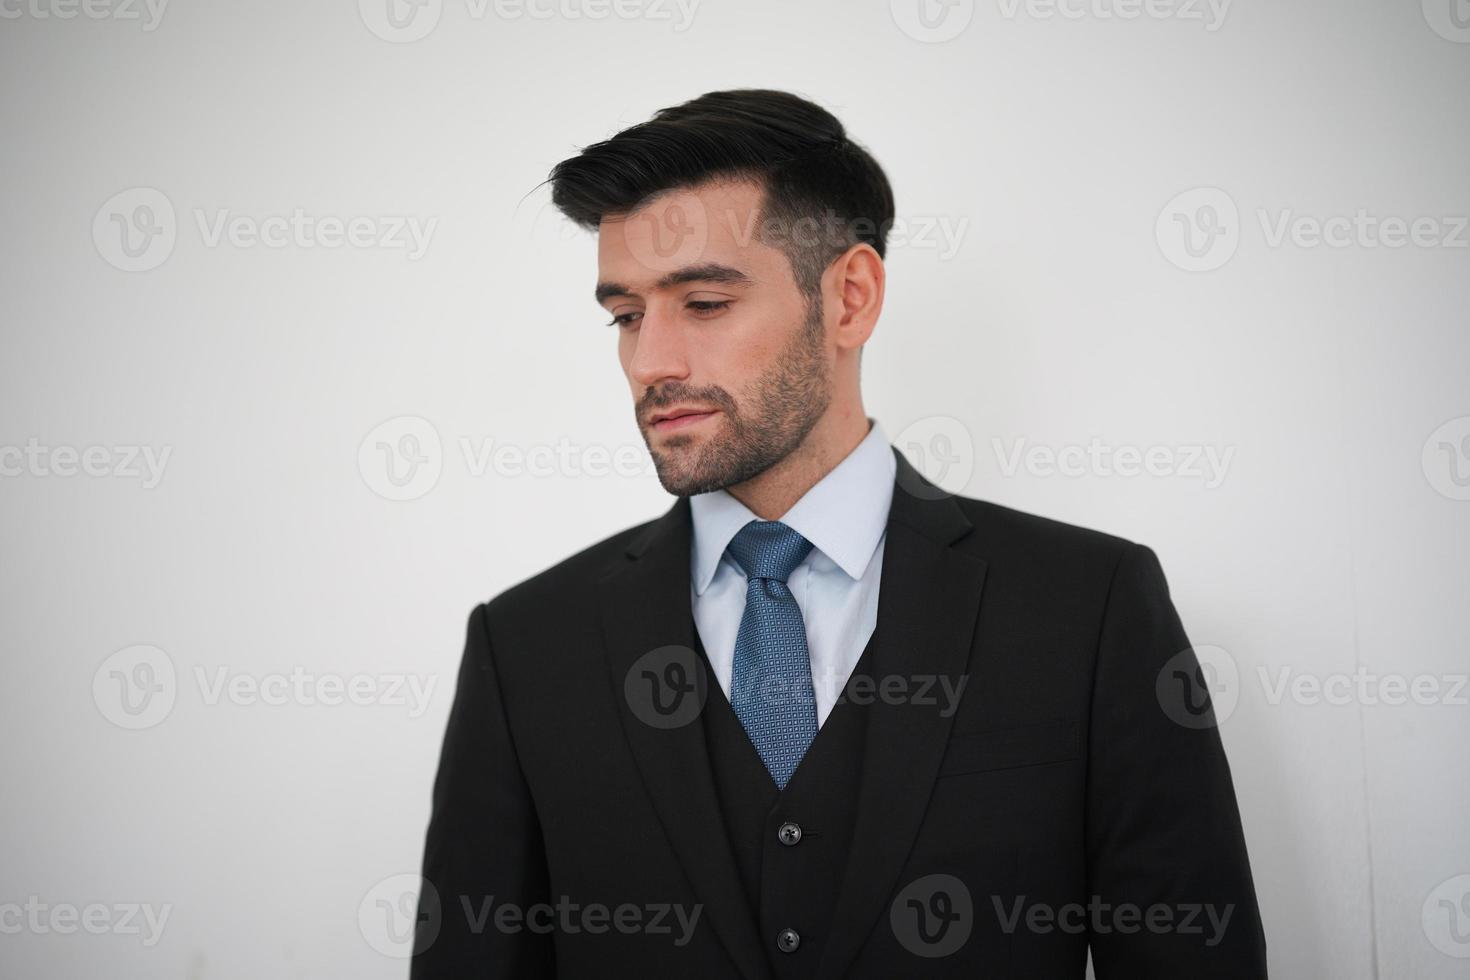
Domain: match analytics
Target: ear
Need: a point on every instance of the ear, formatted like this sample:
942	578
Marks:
853	292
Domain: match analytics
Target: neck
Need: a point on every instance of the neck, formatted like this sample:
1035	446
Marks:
772	493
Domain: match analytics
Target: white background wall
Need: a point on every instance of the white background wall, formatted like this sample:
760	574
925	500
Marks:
1334	542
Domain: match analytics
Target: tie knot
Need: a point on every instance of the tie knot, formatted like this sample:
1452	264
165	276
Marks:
768	549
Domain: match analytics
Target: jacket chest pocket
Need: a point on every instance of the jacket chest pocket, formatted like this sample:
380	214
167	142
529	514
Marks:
1011	748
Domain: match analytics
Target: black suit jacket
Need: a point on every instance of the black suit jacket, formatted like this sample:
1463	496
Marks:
1067	795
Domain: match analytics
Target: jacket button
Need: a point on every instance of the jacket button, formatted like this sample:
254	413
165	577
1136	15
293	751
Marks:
789	833
787	940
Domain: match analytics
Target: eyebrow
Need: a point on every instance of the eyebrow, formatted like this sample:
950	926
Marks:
708	272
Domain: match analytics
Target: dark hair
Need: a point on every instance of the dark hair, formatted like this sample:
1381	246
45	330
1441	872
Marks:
796	150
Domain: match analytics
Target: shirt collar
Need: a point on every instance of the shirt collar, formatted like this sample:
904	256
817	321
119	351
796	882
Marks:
843	515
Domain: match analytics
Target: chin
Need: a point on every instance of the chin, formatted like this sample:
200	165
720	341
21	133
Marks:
680	473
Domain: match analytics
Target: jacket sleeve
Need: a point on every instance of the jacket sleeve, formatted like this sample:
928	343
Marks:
1167	862
484	847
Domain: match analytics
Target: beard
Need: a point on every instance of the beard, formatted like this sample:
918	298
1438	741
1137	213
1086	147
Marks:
784	405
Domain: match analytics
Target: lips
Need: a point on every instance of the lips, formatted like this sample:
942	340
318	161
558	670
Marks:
678	418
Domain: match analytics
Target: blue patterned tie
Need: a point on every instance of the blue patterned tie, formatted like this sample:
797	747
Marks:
771	684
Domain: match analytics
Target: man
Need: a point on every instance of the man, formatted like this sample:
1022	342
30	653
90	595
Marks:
821	718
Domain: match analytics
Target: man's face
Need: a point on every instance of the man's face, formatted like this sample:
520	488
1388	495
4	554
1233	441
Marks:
728	368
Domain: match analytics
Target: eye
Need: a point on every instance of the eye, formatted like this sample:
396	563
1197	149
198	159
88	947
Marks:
623	319
705	307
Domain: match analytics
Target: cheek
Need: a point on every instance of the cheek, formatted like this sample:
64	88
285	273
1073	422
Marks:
626	347
754	349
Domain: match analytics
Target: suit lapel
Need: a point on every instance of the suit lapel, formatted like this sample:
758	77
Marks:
645	606
928	602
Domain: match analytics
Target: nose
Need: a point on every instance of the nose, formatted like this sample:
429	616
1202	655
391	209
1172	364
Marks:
660	352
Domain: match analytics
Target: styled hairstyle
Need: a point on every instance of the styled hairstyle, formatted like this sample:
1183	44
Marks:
795	150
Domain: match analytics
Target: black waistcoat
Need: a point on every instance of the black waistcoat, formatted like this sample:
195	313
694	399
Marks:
791	845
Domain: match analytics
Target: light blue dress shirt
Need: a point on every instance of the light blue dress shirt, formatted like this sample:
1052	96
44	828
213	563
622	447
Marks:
844	515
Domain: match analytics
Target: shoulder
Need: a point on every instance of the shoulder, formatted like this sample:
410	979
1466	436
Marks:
1006	531
1044	552
563	585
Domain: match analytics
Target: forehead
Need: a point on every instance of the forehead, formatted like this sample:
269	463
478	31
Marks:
710	224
